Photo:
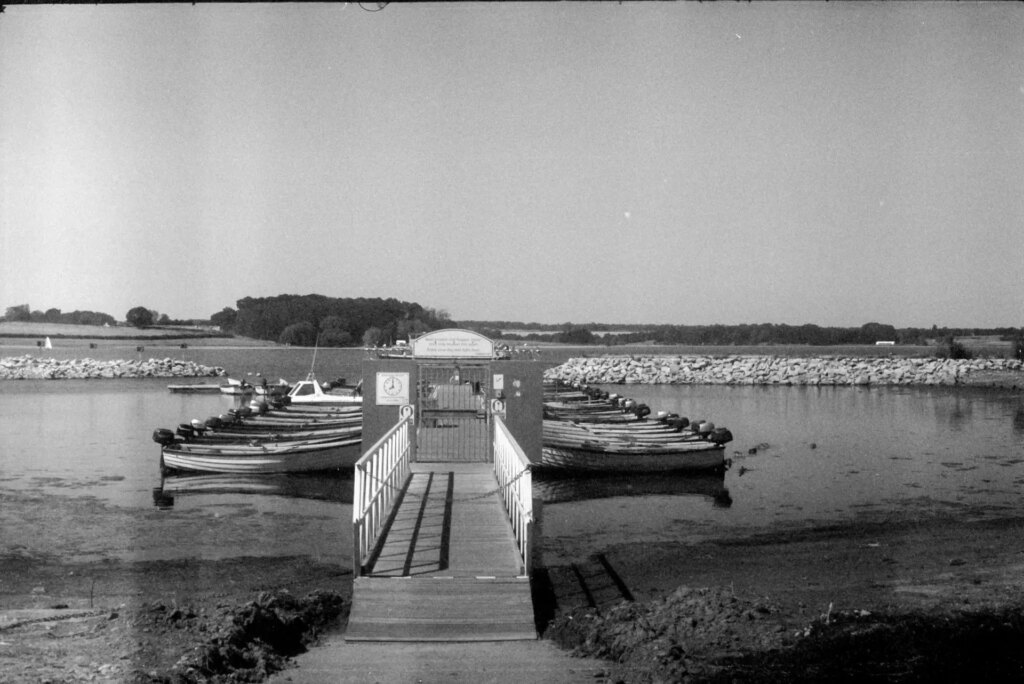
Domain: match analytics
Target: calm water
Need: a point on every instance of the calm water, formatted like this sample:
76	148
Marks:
823	456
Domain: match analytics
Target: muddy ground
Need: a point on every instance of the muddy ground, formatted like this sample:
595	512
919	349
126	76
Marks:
901	600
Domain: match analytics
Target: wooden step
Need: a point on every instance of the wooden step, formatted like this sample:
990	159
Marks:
441	609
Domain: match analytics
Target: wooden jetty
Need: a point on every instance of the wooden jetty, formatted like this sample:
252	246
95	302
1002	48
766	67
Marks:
448	567
442	544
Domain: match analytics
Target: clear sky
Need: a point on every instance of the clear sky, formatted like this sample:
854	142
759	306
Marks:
679	163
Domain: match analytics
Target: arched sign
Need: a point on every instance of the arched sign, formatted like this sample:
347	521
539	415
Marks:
452	343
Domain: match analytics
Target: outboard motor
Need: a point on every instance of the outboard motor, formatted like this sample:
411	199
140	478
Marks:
199	426
163	436
706	428
214	423
185	430
680	423
642	411
721	436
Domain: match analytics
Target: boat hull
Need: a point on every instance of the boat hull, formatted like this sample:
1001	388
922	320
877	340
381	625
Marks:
299	459
702	457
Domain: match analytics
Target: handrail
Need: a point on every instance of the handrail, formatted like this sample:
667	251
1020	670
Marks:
512	469
378	477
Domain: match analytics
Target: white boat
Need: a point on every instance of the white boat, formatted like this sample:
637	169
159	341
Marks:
232	386
310	391
284	457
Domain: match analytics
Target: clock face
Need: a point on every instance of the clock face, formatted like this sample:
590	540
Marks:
392	385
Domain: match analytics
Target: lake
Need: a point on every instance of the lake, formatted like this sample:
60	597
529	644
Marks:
802	457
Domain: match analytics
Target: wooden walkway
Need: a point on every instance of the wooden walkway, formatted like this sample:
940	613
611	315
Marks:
448	569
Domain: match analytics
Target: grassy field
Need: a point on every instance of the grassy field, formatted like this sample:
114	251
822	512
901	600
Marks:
68	330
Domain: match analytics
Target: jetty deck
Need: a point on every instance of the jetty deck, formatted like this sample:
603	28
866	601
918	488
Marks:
447	568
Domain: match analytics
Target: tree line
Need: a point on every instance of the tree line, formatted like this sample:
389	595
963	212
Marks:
726	335
22	313
329	321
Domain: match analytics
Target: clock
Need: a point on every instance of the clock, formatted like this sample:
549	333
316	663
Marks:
392	386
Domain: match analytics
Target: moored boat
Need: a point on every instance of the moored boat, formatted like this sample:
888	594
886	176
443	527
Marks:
605	457
310	391
284	457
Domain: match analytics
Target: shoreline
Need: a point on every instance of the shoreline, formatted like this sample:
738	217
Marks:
28	367
732	601
790	371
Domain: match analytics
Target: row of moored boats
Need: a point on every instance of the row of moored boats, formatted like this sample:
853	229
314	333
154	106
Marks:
585	430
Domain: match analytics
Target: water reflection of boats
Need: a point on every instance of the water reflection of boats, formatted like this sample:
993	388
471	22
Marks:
551	488
299	486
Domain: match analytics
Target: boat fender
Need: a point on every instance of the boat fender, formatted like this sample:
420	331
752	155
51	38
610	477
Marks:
705	428
721	436
163	436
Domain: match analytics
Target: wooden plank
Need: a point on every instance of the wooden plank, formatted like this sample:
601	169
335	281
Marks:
464	609
449	569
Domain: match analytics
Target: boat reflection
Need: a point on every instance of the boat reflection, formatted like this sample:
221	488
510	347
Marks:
560	489
315	486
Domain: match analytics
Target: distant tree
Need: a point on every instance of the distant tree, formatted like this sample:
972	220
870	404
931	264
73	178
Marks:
225	319
300	334
18	313
164	319
576	335
139	317
373	337
52	316
334	323
336	338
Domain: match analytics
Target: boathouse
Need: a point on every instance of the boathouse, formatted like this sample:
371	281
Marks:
443	510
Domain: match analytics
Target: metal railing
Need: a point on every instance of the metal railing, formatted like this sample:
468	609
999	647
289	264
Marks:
512	469
379	477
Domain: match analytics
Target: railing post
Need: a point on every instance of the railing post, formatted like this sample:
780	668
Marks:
376	477
512	470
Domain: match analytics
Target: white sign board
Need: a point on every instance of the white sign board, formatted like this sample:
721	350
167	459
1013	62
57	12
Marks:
452	344
392	389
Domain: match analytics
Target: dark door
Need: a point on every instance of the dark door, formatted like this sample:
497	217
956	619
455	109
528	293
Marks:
453	417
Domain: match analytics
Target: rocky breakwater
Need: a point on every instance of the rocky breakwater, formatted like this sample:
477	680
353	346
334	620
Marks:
31	368
776	370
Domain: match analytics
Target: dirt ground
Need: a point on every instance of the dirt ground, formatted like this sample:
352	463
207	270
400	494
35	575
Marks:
747	609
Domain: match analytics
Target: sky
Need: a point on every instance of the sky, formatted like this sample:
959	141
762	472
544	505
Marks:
680	163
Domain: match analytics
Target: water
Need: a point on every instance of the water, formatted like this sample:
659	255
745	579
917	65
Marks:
826	455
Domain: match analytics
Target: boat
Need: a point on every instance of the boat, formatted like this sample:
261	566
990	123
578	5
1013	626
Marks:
310	391
266	457
236	387
200	434
399	350
195	388
610	457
